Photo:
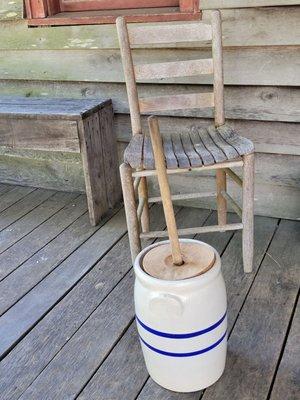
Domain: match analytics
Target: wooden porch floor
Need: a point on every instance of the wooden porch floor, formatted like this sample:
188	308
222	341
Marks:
67	326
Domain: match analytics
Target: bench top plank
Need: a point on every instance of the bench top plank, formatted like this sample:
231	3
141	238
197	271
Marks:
49	108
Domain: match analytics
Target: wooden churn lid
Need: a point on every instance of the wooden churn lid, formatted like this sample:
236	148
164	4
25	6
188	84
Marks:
197	259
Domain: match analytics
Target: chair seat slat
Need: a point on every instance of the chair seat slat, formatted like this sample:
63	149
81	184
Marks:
177	102
171	160
190	151
179	33
241	144
215	151
229	150
206	157
173	69
182	158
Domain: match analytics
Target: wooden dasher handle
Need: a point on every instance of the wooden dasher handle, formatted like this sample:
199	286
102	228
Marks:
164	187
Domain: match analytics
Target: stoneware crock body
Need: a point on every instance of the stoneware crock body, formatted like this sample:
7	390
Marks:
182	326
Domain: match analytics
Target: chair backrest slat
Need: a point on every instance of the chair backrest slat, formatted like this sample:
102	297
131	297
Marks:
172	33
179	33
173	69
177	102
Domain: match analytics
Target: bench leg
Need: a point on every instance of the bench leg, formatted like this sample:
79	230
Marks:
93	168
248	211
130	210
221	202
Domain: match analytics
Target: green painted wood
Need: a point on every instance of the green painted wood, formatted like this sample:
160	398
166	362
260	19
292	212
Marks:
5	188
11	10
276	26
254	103
247	66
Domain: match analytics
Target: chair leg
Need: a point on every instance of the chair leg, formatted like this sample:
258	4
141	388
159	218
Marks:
248	211
130	210
221	202
143	193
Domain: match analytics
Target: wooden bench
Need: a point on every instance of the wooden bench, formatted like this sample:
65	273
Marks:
68	125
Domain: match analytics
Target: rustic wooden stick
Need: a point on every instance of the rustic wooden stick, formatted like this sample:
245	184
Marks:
248	211
233	203
143	195
221	201
130	210
218	67
183	170
160	166
194	231
186	196
136	184
234	176
129	76
140	208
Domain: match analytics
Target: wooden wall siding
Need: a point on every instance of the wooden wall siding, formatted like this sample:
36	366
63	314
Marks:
262	72
274	26
11	10
211	4
268	103
248	66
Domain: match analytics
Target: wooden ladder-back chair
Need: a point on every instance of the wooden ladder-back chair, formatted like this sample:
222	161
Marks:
217	147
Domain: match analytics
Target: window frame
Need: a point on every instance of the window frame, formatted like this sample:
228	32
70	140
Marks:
51	13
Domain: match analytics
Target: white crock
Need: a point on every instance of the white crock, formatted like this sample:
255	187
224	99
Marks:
182	326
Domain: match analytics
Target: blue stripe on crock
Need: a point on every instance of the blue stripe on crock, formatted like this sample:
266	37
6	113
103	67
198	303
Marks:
181	335
191	354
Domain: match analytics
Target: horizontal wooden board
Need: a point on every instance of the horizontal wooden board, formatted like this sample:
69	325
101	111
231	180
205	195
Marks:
211	4
180	32
269	200
268	137
11	10
173	69
273	26
41	135
254	103
247	66
176	102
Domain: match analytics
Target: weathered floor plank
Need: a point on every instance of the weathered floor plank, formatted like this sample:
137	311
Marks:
24	206
287	381
16	231
32	307
45	340
72	334
258	335
69	382
26	247
5	188
13	195
237	284
33	270
134	360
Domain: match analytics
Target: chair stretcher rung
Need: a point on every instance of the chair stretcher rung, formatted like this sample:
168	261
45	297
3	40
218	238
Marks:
234	176
152	172
233	203
186	196
194	231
